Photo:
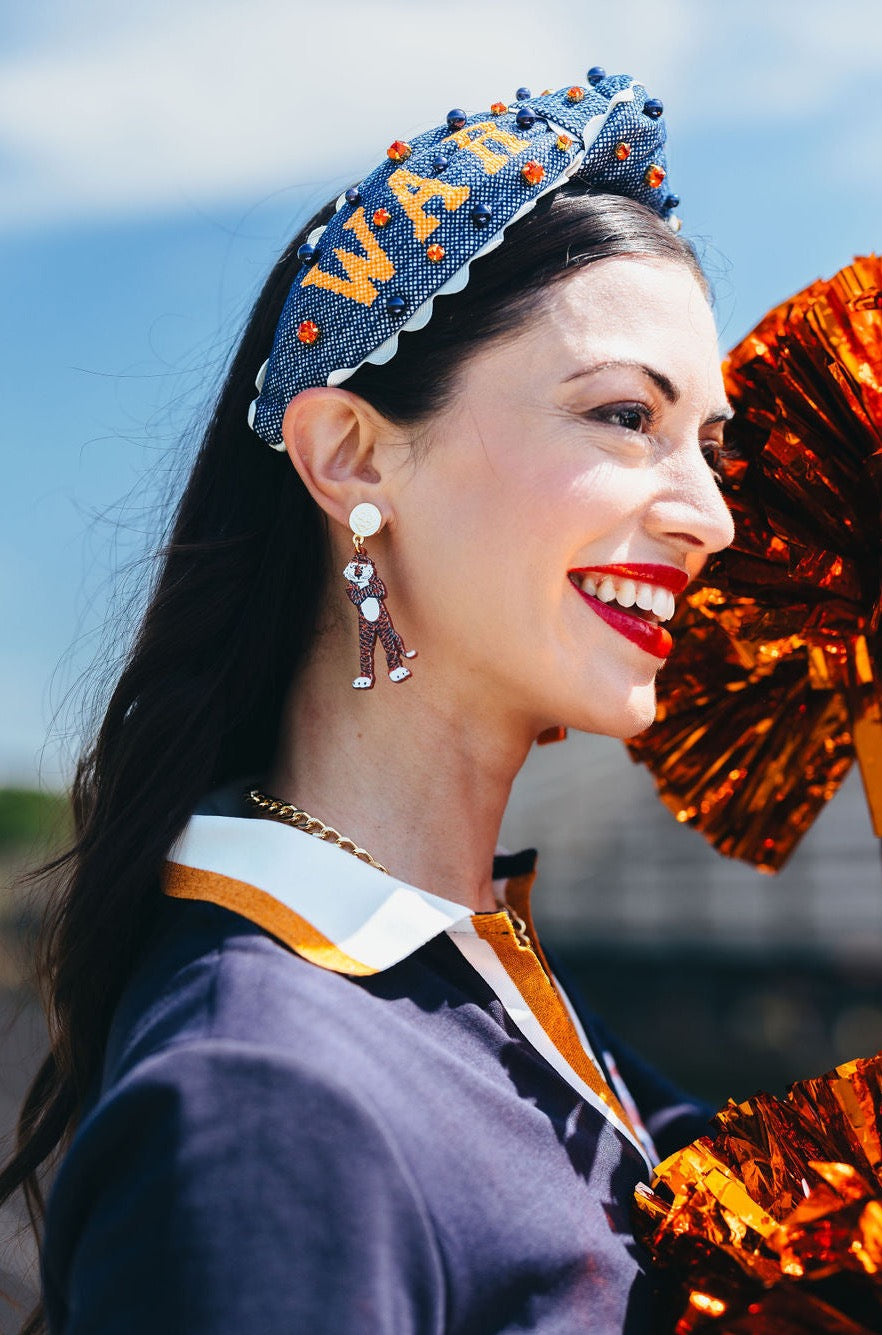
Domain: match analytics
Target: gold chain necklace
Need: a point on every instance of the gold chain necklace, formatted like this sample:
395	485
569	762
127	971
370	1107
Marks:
301	820
288	814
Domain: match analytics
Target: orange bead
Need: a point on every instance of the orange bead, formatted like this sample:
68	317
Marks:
307	331
381	217
654	175
498	109
398	150
623	151
435	253
575	94
545	92
564	142
532	172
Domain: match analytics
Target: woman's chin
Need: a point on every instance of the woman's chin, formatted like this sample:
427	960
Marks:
621	718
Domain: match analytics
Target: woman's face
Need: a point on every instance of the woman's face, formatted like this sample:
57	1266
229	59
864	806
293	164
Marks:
568	479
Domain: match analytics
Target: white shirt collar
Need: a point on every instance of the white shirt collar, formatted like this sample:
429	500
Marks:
320	900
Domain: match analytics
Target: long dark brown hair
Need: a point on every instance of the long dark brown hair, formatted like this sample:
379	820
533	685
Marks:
232	615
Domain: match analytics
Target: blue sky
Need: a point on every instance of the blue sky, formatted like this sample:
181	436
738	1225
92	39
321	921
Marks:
155	158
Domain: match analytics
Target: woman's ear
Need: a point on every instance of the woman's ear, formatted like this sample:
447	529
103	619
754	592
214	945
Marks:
332	438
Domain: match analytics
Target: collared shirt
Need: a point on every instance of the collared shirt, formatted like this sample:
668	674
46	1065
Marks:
418	1135
345	915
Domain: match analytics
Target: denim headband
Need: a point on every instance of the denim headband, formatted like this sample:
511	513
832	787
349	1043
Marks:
409	232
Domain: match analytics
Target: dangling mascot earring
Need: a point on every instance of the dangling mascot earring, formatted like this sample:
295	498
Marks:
367	591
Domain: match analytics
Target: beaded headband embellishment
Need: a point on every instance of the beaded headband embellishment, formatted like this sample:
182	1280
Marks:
409	232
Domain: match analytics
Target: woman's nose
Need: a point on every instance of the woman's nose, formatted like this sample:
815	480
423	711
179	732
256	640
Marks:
692	511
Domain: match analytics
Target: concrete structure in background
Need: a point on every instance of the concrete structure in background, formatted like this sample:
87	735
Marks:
615	867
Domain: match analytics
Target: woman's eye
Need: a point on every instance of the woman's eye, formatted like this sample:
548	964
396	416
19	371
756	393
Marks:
715	456
631	416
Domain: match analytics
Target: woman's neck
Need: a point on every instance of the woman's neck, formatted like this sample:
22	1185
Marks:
408	775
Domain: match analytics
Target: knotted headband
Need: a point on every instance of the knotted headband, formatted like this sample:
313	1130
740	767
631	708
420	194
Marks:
409	232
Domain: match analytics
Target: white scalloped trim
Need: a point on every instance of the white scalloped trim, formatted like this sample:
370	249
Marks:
252	407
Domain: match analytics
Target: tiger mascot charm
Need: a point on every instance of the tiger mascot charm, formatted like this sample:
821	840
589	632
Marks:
367	591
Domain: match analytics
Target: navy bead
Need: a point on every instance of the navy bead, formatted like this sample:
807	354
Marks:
481	215
526	117
672	202
396	305
595	74
522	94
456	119
307	254
653	107
353	195
440	161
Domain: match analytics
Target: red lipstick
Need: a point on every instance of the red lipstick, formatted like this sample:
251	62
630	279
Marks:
647	635
667	577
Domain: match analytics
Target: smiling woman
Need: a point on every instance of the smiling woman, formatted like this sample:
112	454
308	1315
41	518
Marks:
335	1083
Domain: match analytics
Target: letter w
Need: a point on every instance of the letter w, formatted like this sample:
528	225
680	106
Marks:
360	269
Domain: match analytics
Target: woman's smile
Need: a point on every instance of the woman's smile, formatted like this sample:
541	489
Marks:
633	599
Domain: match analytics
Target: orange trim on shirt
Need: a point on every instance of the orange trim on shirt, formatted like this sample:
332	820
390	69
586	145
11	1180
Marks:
517	895
525	970
182	882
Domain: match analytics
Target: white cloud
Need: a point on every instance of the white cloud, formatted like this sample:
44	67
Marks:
198	103
204	102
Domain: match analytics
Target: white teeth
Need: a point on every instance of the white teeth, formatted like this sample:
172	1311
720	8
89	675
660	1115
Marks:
663	604
626	593
645	595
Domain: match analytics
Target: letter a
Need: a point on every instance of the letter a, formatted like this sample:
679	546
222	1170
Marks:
413	191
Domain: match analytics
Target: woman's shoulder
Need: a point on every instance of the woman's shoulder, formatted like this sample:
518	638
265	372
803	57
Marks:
214	1173
210	977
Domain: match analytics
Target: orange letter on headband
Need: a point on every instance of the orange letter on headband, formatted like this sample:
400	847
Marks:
360	268
476	137
412	192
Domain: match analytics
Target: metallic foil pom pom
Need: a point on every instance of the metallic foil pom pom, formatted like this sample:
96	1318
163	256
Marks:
774	685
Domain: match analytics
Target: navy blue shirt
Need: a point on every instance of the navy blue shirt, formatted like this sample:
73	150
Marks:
280	1147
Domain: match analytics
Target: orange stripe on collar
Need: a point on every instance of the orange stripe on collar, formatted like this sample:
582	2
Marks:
534	984
261	908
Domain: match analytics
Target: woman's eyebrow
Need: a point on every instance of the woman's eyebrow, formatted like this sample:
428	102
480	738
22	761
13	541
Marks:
666	386
664	383
724	415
